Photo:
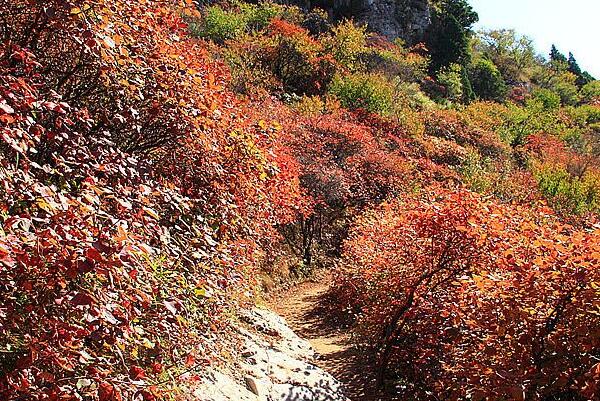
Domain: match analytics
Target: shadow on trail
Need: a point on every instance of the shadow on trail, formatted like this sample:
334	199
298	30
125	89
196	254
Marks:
314	315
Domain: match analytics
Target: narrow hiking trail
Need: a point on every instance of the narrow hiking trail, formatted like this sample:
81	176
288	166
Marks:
310	313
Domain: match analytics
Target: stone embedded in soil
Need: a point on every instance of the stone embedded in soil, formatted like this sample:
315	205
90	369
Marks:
276	365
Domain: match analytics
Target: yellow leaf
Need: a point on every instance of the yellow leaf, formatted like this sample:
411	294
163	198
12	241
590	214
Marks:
151	213
41	202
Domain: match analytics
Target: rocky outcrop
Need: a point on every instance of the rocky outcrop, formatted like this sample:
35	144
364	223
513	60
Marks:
275	365
406	19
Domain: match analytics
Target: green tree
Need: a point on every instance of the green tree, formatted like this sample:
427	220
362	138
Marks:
582	77
556	77
448	35
451	78
550	100
514	55
486	80
371	92
591	91
556	55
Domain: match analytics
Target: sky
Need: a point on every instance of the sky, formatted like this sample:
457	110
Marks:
573	25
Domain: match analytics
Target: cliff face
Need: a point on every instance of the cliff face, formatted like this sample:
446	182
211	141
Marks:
406	19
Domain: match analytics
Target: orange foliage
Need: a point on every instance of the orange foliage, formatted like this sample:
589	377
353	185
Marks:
468	298
136	195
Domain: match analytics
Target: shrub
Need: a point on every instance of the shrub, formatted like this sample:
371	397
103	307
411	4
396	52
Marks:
569	193
259	16
298	60
371	92
346	43
316	21
410	95
451	79
315	105
556	78
101	296
550	100
568	178
455	291
219	25
393	60
499	177
591	115
486	80
534	118
489	116
568	92
453	126
248	61
591	92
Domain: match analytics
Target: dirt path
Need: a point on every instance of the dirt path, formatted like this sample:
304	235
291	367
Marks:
311	315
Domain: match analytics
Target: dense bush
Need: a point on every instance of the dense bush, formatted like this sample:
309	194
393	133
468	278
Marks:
101	296
259	16
558	80
513	54
220	25
550	100
371	92
453	126
487	82
573	194
451	79
298	60
393	60
140	193
347	43
469	299
570	180
591	91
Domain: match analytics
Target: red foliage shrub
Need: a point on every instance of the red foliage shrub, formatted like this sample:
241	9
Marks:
467	298
453	126
113	267
298	59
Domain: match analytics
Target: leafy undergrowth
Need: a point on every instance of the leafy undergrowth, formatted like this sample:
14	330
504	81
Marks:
135	196
467	298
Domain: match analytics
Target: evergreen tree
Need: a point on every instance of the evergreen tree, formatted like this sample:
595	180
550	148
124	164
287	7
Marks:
448	35
582	77
468	91
573	66
556	55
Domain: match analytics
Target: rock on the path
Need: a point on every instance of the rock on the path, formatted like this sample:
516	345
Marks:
216	386
276	365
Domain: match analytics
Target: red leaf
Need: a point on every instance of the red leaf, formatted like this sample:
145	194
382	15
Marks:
137	373
93	254
82	299
107	392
